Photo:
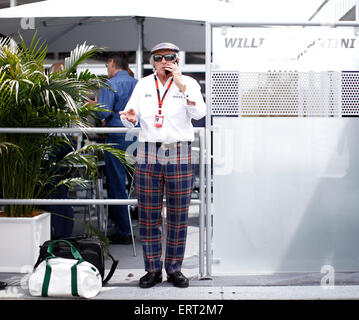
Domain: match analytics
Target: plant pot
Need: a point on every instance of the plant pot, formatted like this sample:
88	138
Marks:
20	240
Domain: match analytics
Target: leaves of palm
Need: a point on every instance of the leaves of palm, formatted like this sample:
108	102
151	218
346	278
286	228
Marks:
32	97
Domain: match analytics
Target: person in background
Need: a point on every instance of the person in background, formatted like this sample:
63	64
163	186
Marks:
164	103
61	227
115	100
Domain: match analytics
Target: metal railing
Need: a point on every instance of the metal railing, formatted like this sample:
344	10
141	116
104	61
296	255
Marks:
200	202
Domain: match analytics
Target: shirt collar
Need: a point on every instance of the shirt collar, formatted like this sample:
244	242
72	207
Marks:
169	79
121	73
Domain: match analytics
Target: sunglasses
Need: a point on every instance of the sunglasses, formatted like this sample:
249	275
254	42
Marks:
168	57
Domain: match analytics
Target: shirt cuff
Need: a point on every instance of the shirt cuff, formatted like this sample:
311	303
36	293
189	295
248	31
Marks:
188	96
127	124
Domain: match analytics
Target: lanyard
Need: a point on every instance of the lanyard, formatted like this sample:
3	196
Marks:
160	101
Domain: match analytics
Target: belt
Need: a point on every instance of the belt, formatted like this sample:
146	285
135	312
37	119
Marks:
168	146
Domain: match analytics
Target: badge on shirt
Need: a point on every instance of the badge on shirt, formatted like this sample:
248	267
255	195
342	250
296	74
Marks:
159	121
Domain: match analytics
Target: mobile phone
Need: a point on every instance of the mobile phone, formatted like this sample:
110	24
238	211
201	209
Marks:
168	72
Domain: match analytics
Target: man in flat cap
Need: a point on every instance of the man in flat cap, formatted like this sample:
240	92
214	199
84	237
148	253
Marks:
164	104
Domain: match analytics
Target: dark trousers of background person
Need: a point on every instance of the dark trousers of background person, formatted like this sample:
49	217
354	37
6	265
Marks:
61	227
116	184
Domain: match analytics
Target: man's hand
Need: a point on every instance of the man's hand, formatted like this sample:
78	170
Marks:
91	102
177	79
129	115
177	76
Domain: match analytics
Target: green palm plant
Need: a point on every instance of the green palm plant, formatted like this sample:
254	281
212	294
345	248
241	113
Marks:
32	97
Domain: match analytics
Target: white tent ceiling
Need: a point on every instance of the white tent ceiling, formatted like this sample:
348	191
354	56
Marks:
185	9
112	23
198	10
114	33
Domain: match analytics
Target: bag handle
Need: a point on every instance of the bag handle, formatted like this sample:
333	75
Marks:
48	270
74	251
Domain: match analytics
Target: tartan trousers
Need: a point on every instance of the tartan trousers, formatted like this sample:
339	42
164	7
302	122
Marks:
159	171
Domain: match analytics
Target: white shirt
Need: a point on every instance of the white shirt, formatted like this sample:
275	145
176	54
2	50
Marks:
177	113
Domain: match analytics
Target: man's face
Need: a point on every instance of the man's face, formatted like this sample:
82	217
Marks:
110	68
160	66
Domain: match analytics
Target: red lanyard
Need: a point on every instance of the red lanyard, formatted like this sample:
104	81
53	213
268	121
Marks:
160	101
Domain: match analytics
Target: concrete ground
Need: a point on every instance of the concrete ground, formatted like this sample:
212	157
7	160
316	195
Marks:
124	283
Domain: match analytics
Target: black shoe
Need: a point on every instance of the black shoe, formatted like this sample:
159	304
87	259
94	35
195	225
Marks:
178	279
117	239
150	279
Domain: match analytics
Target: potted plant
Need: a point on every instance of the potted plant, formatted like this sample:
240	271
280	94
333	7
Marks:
30	96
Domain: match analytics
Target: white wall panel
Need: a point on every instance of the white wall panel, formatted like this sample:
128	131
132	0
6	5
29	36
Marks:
286	194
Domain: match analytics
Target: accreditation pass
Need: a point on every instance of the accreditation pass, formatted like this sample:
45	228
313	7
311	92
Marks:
180	309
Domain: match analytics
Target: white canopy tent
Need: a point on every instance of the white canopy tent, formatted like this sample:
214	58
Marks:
114	25
133	25
195	10
186	9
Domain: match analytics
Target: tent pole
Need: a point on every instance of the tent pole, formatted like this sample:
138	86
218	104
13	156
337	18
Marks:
139	53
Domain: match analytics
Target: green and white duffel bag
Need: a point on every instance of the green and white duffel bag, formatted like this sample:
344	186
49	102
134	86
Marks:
61	277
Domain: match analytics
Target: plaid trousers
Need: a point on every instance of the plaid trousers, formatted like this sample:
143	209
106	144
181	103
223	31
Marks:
159	171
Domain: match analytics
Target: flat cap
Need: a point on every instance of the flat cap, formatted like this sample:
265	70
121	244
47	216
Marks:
164	46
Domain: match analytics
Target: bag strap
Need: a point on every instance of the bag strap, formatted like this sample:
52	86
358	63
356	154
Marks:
74	251
112	270
48	270
46	281
78	256
114	261
47	277
74	291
